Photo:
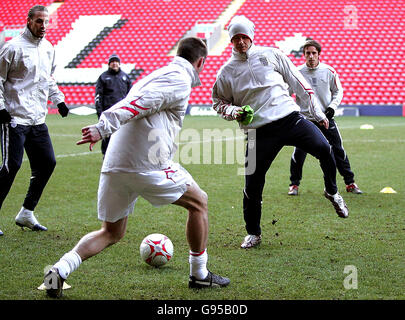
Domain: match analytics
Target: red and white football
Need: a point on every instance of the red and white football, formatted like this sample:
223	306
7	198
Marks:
156	249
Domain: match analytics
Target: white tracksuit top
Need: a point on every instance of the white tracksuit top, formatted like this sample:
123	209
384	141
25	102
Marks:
27	65
148	119
326	84
261	78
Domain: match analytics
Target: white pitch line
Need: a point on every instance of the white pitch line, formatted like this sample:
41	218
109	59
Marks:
65	135
71	155
375	125
181	143
211	140
374	141
236	138
76	154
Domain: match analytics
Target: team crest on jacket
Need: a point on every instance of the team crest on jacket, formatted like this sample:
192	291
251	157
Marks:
264	61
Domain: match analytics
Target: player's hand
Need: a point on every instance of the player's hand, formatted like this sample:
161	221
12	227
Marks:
237	113
325	123
63	109
246	115
4	116
90	134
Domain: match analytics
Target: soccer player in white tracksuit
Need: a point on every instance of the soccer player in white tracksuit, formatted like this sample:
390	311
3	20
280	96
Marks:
325	82
27	63
260	77
138	162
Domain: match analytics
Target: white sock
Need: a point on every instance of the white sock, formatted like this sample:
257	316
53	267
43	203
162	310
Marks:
198	264
68	263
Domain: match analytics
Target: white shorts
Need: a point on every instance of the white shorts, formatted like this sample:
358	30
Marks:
118	191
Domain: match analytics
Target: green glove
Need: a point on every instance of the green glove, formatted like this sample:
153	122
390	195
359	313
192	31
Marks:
247	115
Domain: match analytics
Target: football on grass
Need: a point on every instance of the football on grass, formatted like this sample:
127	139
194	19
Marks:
156	249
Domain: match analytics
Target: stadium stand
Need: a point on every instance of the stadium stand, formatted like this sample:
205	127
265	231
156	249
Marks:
362	40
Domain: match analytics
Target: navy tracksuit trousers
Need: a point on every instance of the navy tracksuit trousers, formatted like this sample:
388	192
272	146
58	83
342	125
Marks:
342	161
38	146
292	130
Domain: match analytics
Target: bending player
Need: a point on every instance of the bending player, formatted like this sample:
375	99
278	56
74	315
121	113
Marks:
138	162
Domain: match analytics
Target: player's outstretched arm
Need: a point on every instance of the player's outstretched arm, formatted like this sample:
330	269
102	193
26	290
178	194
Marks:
90	134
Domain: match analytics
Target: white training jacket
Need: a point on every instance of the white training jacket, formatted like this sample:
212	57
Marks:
27	64
261	78
145	123
326	84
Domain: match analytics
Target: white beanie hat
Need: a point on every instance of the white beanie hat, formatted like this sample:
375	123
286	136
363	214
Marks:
241	25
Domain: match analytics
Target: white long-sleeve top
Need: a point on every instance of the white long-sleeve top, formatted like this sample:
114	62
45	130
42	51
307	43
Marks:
261	78
27	65
143	126
325	82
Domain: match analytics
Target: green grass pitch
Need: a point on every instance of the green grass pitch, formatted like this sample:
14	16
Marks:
307	251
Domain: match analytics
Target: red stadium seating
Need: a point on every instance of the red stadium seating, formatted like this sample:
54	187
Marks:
15	12
363	41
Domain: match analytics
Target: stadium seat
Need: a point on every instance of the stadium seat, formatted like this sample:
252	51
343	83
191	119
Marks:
365	60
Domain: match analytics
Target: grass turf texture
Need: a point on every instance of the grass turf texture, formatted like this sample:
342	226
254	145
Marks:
305	245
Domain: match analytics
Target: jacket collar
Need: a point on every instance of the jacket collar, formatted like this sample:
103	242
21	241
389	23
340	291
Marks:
314	67
243	56
27	34
113	72
195	79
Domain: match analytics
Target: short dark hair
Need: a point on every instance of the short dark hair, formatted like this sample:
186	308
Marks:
312	43
34	9
192	48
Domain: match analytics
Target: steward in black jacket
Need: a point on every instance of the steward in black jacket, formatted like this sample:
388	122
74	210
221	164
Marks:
112	86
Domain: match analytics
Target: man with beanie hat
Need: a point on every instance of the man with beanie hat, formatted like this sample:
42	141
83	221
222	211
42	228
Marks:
114	57
112	86
260	77
241	25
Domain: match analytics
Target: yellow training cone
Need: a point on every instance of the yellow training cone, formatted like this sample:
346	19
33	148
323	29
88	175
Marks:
388	190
